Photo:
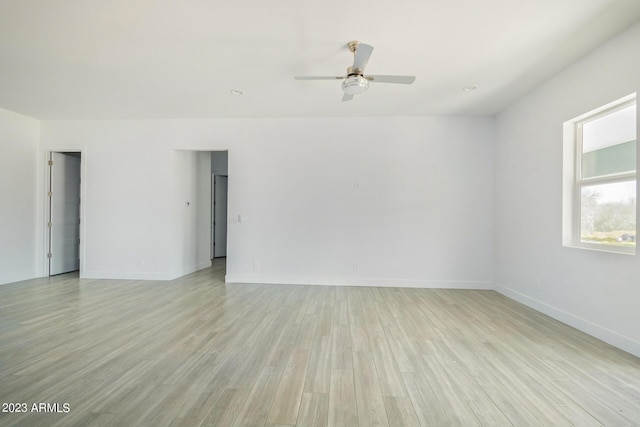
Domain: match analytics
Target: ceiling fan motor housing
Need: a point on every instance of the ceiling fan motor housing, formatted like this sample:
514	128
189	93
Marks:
355	85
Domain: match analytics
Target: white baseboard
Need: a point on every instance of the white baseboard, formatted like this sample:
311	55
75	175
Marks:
18	277
358	281
126	275
190	269
143	275
607	335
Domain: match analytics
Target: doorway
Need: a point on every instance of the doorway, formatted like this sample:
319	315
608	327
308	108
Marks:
63	212
219	203
219	217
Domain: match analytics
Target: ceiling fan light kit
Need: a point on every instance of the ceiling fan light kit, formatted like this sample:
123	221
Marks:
356	82
355	85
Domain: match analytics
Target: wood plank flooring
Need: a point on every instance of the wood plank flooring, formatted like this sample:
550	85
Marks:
197	352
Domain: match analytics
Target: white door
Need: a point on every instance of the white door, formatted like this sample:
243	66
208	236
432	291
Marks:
220	216
64	214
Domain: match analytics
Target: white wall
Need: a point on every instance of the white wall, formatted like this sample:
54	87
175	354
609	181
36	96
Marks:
18	148
191	193
204	193
184	211
380	201
593	291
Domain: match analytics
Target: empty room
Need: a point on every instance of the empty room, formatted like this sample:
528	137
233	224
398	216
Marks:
420	213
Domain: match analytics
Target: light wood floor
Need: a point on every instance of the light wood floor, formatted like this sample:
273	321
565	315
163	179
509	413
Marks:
195	351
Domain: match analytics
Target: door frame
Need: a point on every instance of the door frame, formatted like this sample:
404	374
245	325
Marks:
45	211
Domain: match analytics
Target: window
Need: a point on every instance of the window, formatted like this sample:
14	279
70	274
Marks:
600	166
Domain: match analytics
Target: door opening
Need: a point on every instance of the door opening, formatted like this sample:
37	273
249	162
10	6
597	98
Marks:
219	193
220	188
63	221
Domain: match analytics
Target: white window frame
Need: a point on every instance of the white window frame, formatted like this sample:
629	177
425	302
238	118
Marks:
574	183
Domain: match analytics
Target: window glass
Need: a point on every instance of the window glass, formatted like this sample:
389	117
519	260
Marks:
608	213
609	144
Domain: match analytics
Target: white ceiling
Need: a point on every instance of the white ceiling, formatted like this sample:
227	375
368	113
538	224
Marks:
103	59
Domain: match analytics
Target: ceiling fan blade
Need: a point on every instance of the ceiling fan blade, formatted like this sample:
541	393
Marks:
404	80
362	55
317	78
347	97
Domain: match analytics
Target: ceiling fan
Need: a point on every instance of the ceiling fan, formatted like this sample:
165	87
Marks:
356	82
